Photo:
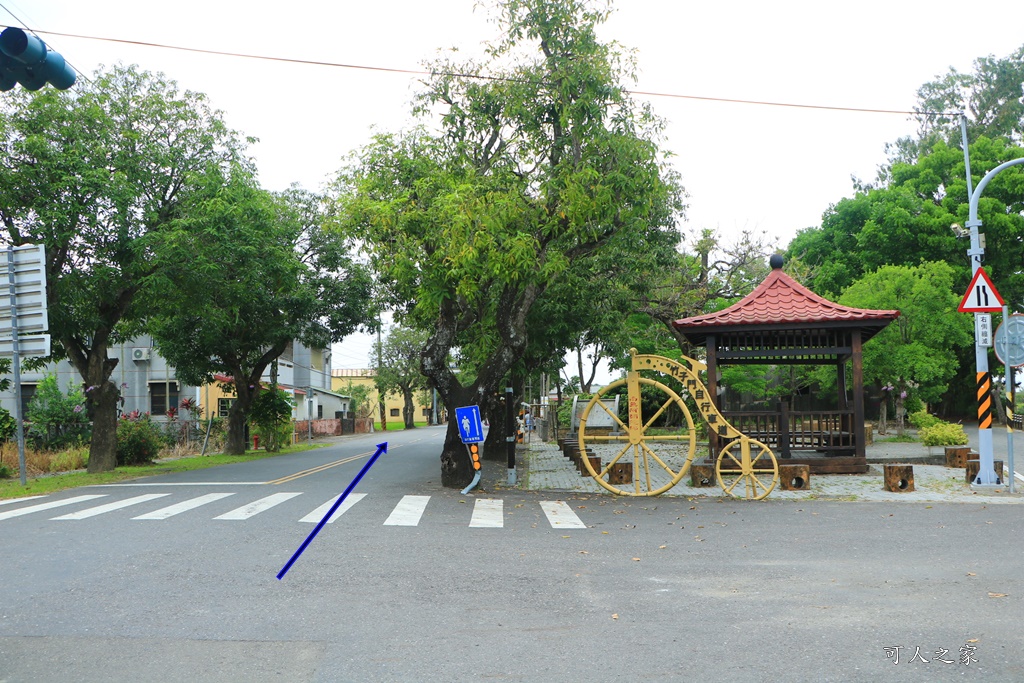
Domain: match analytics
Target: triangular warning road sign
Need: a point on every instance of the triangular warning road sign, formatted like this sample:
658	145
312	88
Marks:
981	296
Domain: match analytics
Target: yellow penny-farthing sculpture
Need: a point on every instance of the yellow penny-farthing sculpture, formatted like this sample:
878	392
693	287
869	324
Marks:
637	459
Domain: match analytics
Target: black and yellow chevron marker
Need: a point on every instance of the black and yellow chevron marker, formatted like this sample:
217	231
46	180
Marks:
984	401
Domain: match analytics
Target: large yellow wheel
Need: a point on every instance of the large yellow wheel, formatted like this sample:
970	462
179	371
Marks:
747	469
654	462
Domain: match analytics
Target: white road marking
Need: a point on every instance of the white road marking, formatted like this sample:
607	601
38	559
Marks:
110	507
256	507
408	511
178	508
18	500
488	513
561	515
316	515
47	506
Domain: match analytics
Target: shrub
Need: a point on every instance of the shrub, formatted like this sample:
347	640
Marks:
7	425
5	472
943	434
57	420
923	419
138	441
270	415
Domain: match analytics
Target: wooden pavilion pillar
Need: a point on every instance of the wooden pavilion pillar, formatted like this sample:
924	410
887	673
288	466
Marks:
711	347
858	395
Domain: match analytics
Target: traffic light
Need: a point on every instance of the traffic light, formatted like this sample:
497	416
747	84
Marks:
24	59
474	455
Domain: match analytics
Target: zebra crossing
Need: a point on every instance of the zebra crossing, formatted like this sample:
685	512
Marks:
409	511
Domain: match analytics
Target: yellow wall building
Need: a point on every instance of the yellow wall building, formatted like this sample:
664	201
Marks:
393	404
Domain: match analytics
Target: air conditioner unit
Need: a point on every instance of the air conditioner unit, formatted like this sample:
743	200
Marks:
141	353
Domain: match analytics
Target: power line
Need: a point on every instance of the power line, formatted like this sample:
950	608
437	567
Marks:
418	72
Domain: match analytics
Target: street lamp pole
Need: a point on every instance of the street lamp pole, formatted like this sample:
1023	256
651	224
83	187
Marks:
986	463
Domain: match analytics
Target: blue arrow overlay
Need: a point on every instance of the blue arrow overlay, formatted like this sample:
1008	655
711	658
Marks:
381	449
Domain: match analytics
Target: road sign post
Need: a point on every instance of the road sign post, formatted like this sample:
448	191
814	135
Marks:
1009	343
26	286
471	429
979	299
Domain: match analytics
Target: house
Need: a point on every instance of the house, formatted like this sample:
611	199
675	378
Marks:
149	384
393	404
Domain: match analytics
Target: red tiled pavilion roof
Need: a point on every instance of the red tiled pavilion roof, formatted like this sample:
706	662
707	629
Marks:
780	301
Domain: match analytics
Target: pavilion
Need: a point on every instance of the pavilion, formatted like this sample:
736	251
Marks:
782	322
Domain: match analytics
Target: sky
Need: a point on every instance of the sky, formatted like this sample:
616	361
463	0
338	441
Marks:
770	169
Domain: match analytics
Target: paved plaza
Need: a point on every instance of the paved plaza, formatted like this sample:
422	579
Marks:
544	468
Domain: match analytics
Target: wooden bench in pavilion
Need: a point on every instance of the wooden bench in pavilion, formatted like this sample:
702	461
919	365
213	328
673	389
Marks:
782	322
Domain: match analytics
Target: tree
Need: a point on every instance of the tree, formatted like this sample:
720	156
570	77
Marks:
94	175
541	165
916	353
256	272
909	222
399	371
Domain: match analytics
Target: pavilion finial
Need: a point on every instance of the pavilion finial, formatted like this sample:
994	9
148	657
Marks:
776	261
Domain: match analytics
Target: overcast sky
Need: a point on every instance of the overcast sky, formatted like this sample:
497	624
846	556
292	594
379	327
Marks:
762	168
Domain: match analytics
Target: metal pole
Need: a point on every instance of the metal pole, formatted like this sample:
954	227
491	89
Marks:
986	461
510	439
16	364
1009	423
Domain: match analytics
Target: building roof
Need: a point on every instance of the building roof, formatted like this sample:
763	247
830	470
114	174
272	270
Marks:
353	372
782	302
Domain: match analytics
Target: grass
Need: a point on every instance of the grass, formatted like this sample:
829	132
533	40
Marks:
51	483
906	438
397	424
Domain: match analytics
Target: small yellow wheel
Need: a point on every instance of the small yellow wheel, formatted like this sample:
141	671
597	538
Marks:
751	463
634	460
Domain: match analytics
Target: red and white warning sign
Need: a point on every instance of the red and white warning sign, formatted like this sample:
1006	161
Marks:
981	296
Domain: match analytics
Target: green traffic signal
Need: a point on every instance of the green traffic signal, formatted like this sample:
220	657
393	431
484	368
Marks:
26	60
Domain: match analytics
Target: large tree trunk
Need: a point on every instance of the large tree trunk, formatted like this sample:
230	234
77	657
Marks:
236	442
409	409
103	401
456	470
495	446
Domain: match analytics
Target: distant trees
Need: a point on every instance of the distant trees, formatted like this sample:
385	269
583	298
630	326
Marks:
250	272
399	370
916	354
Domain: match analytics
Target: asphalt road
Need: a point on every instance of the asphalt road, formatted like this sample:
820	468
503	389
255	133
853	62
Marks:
401	587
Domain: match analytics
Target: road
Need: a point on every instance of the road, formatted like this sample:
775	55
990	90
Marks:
417	583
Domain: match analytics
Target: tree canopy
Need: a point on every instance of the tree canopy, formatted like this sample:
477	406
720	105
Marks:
917	352
242	275
94	175
541	162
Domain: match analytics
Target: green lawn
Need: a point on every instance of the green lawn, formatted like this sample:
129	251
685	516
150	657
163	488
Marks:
397	424
12	488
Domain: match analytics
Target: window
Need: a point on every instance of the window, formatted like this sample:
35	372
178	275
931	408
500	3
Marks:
223	406
162	395
319	412
27	392
394	412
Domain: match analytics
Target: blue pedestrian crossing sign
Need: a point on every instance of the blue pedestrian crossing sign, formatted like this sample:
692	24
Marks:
470	426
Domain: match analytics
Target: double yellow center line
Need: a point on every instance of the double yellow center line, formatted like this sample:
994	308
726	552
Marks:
320	468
